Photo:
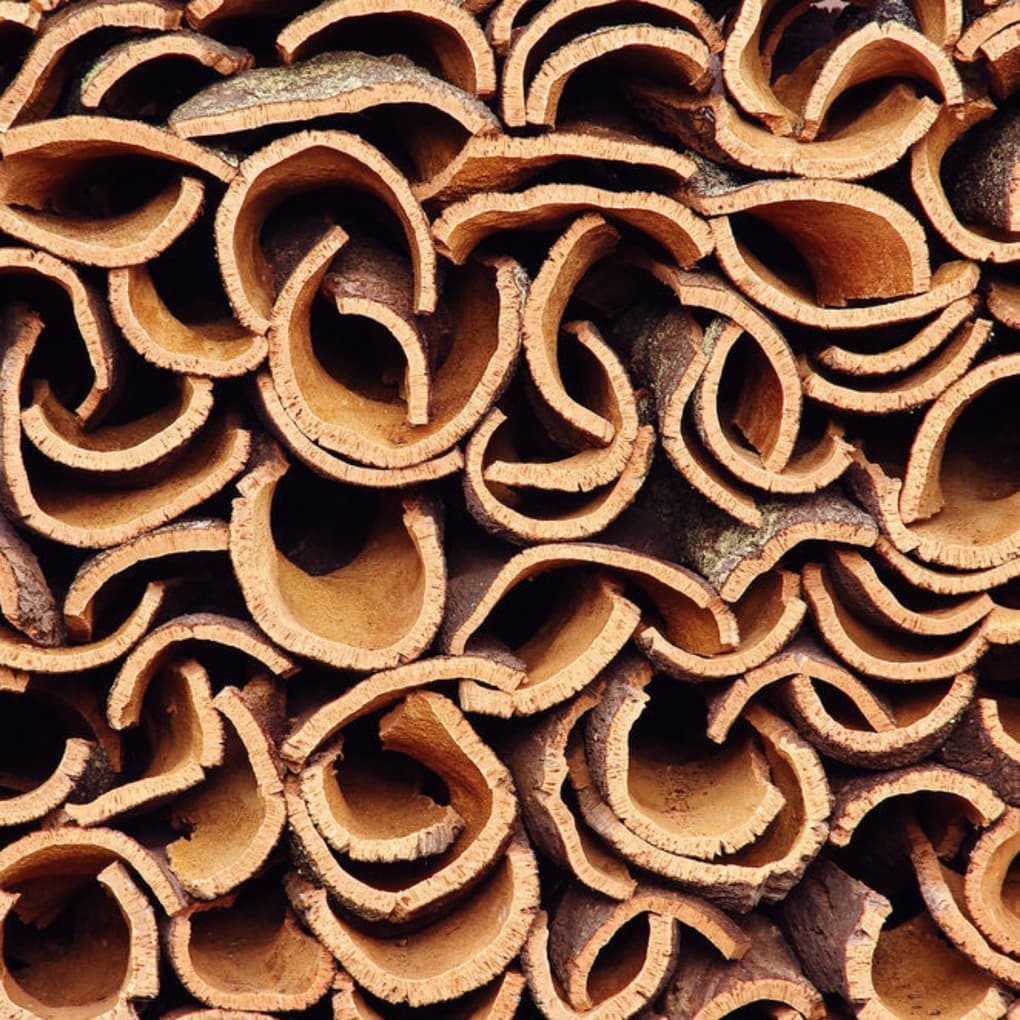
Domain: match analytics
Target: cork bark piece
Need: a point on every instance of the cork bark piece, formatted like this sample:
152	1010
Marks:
337	83
58	435
91	318
1002	60
986	744
537	757
287	167
768	976
990	881
961	514
37	782
26	601
874	139
982	188
430	730
553	22
111	962
45	199
981	30
690	610
464	225
453	36
107	83
447	957
731	555
767	869
246	951
562	961
971	798
658	52
862	588
162	643
219	348
851	943
966	233
58	504
701	803
26	17
910	391
502	162
942	581
768	615
336	617
36	87
220	849
888	654
498	1000
88	591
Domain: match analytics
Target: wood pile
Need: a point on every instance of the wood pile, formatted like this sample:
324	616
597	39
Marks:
510	508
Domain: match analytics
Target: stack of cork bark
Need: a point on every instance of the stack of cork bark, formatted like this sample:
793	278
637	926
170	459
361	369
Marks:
510	507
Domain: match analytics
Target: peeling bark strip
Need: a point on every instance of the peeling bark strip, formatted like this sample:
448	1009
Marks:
509	508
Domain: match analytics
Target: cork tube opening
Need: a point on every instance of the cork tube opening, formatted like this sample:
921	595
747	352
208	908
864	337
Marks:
66	947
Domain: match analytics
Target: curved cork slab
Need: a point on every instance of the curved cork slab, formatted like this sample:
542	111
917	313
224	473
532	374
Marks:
342	83
36	87
857	797
220	850
246	951
84	597
336	617
773	864
453	36
701	803
26	600
40	205
562	961
127	692
184	737
389	427
107	83
502	162
113	956
857	947
768	976
961	514
91	319
219	348
446	957
431	731
464	225
990	880
57	503
76	761
537	757
287	167
888	654
986	744
875	138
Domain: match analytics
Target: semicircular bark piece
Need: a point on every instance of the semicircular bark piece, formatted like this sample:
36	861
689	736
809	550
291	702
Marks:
36	88
453	36
727	798
334	84
768	976
246	951
107	83
221	849
336	617
112	956
184	736
59	503
220	348
857	945
986	744
56	747
430	730
464	225
858	796
990	881
446	957
562	963
895	655
285	168
962	515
